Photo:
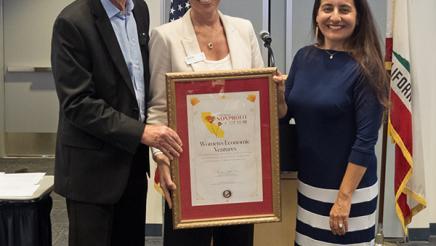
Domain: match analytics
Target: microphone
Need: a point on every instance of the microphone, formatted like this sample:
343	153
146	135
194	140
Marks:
266	38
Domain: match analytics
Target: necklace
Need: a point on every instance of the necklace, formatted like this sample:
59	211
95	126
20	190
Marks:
210	43
212	31
331	54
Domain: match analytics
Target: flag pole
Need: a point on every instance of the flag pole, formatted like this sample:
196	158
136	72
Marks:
379	239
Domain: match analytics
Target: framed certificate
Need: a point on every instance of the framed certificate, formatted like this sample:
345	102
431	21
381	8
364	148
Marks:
228	172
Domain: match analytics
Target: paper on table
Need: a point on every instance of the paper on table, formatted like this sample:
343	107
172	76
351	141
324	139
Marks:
17	190
19	184
20	178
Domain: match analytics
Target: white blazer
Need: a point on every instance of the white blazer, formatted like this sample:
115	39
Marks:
170	43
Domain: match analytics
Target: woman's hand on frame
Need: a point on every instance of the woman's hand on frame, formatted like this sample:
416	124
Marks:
166	182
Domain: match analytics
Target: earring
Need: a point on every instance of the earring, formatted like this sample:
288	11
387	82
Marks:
316	34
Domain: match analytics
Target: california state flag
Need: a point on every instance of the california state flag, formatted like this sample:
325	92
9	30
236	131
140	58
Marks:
409	176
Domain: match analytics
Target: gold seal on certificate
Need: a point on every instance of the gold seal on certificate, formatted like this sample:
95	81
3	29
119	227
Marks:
227	194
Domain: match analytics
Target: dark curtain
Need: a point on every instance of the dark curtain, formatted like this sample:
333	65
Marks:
26	223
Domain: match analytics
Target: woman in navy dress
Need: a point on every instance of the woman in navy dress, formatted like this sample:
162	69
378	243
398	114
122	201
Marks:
336	91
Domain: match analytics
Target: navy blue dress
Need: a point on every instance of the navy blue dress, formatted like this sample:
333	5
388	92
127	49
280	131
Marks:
337	118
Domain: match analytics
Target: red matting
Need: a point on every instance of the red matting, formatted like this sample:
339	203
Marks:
189	212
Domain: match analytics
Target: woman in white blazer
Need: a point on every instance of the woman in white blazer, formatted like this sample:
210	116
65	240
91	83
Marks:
203	39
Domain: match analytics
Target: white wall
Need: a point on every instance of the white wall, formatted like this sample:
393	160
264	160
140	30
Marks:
29	46
154	200
156	12
2	96
2	92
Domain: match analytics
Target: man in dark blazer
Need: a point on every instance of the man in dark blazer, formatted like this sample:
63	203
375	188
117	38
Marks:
102	139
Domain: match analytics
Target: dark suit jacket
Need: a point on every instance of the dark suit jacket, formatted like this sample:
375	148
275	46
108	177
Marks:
99	131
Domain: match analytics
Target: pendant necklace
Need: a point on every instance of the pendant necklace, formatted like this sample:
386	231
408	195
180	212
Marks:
213	31
210	43
331	54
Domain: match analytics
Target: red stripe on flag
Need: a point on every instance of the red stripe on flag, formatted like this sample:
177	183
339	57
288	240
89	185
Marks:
389	45
402	167
401	119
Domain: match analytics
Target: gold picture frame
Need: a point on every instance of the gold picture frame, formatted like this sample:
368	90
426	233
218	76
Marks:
256	198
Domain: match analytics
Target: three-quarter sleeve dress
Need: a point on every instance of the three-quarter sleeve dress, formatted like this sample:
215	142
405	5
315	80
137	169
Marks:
337	118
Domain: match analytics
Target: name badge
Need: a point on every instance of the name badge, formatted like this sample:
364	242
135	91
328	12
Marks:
195	58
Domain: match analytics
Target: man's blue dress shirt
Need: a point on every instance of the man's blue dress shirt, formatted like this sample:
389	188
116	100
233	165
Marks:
125	29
